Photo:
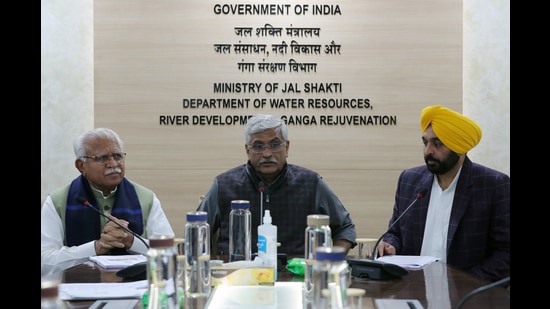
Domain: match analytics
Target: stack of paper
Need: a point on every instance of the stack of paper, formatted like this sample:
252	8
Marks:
70	291
117	261
411	262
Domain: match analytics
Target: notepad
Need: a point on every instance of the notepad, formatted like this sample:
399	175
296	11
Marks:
118	261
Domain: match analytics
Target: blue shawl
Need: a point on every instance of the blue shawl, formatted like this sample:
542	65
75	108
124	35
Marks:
83	224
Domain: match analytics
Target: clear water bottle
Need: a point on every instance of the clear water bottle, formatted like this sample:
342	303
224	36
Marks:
196	282
317	234
161	273
331	278
240	229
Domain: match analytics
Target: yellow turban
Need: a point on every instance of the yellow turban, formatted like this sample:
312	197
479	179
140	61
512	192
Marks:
456	131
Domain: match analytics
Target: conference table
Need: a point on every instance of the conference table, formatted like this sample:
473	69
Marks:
436	286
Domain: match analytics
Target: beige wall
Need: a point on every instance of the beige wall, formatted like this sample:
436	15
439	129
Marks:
68	110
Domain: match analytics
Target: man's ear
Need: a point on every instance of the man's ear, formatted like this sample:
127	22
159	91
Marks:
79	165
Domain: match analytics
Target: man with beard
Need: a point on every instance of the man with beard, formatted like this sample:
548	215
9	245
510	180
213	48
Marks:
72	232
464	219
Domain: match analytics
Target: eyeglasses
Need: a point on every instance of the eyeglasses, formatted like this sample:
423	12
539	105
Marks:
260	148
117	156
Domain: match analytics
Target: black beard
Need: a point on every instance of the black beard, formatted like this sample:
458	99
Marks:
442	167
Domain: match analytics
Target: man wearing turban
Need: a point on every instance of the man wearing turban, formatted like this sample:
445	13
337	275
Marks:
464	217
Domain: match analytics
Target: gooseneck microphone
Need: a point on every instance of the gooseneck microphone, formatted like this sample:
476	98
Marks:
261	187
419	195
482	289
379	270
85	202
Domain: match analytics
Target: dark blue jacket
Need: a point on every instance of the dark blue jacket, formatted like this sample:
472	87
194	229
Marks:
478	239
297	193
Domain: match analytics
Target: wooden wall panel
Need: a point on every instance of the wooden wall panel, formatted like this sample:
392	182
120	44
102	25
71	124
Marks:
149	55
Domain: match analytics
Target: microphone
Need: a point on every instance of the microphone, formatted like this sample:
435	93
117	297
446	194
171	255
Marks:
84	202
261	187
419	195
379	270
481	289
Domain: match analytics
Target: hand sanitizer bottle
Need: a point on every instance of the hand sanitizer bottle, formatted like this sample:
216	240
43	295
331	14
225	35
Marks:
267	243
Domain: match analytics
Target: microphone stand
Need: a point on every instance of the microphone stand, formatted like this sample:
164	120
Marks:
419	195
136	271
481	289
87	204
378	270
261	187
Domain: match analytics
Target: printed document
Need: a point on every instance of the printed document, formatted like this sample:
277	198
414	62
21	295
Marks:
117	261
111	290
410	262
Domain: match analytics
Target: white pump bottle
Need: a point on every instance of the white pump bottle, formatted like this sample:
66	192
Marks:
267	243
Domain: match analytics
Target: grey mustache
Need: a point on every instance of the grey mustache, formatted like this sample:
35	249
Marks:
113	170
268	161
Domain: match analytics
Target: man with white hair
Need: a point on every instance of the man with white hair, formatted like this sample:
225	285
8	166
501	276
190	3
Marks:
71	232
